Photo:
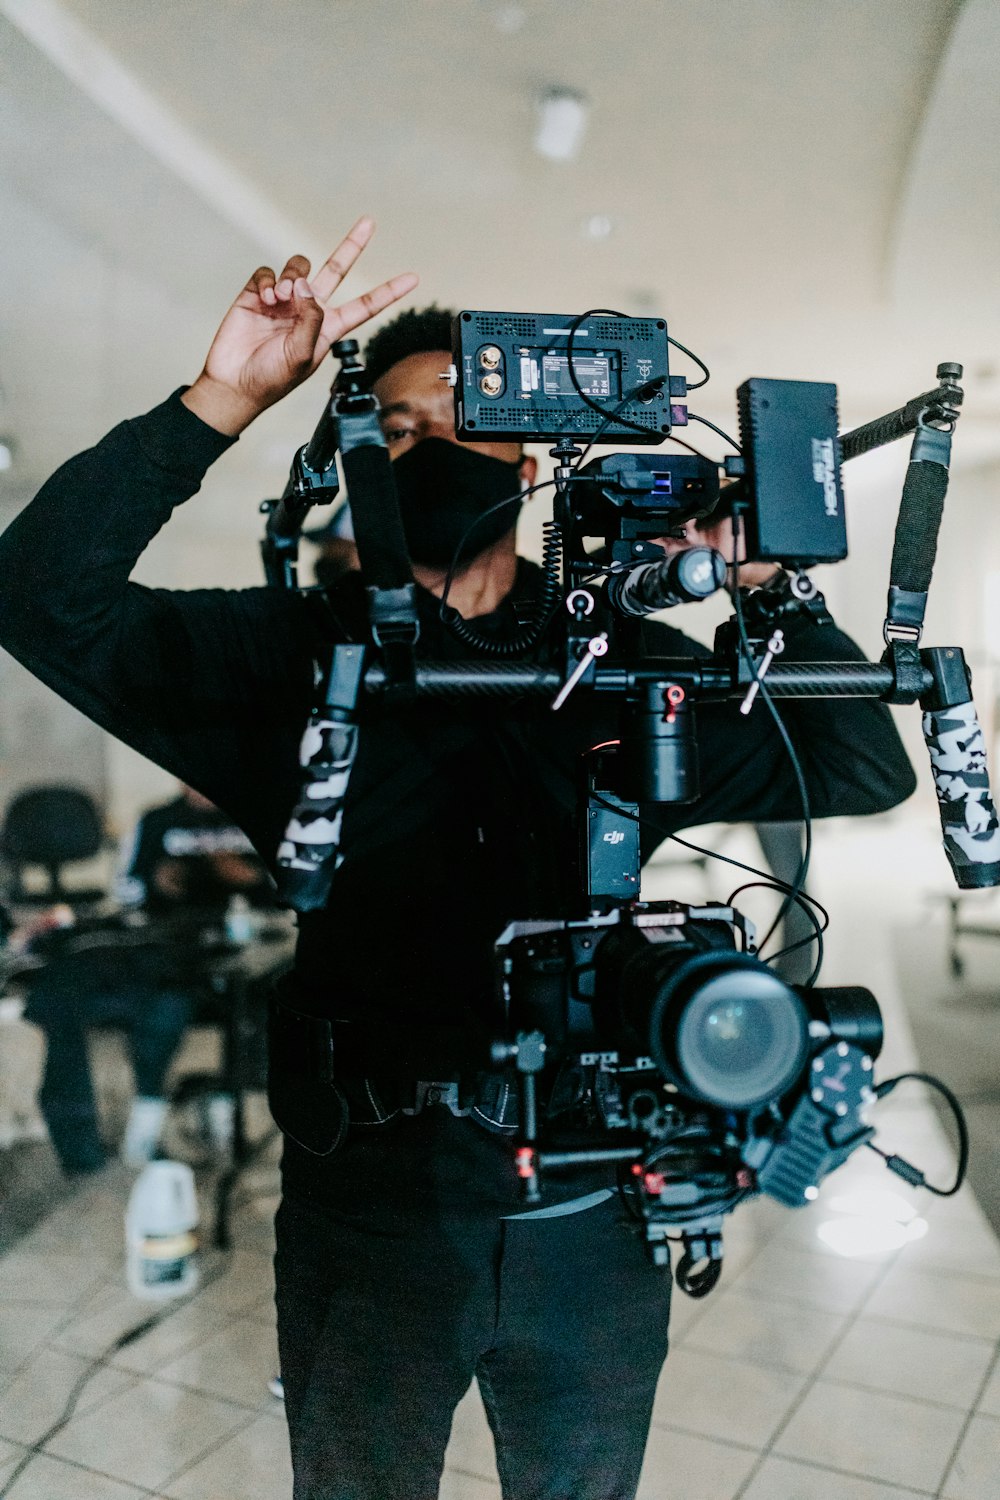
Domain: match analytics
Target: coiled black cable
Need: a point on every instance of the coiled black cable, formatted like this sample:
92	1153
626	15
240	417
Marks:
541	611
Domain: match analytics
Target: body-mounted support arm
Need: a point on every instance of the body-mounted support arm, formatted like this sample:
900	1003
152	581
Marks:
309	853
312	480
350	426
378	526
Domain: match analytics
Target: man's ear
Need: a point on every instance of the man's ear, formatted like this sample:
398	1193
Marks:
528	470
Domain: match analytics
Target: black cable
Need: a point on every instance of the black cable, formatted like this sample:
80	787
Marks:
100	1362
902	1168
672	438
609	417
803	870
651	385
529	634
693	417
717	1195
647	385
699	362
727	859
804	902
510	500
794	891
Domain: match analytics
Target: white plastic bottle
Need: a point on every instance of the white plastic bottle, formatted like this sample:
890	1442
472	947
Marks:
161	1224
239	921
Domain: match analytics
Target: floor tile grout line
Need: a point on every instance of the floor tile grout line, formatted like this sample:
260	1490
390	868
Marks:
876	1390
46	1342
936	1331
87	1469
136	1376
199	1390
207	1452
896	1322
88	1411
816	1375
893	1323
970	1416
182	1350
852	1385
812	1463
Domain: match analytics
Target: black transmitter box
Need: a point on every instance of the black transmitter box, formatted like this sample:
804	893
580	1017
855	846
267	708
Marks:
514	384
791	450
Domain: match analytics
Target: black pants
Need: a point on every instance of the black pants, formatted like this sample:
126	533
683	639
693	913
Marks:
91	989
398	1279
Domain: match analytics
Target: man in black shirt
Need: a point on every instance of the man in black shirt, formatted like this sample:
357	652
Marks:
184	863
404	1264
187	855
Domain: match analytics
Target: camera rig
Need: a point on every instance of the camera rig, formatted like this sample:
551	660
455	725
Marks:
689	1062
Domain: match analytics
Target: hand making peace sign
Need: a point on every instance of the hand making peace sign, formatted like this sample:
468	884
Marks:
279	330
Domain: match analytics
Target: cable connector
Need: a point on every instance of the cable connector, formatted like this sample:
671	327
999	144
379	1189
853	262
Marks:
901	1167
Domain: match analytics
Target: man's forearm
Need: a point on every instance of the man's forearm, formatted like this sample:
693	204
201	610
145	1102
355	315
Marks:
66	560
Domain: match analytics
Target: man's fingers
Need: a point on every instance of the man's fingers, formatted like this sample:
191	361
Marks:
333	270
341	320
261	284
300	342
296	268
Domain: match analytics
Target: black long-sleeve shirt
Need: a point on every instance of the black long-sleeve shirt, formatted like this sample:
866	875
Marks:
460	816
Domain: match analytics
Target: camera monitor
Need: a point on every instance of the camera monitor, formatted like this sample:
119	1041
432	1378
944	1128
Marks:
524	377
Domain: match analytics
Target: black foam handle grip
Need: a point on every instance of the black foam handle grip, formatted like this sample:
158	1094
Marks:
968	817
920	512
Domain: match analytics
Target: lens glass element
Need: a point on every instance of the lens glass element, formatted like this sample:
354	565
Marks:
742	1038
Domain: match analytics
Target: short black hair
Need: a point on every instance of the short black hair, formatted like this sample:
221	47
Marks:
416	331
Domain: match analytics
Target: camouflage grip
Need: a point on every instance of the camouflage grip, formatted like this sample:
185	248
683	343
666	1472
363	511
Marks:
968	817
309	853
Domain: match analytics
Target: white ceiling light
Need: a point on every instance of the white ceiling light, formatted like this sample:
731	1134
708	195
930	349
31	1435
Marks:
597	227
562	120
509	18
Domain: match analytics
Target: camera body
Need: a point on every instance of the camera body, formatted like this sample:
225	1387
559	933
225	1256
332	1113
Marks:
710	1078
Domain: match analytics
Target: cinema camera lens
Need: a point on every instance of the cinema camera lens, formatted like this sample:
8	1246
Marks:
721	1027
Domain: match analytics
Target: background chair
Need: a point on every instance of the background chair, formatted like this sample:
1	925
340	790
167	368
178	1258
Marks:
50	827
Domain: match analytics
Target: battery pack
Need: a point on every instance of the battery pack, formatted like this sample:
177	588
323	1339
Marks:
791	448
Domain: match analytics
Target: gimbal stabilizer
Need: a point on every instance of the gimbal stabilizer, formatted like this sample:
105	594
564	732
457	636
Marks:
720	1079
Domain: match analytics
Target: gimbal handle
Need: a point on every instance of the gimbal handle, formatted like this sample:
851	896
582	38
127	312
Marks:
939	678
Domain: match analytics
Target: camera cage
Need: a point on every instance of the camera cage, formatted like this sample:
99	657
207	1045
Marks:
690	1159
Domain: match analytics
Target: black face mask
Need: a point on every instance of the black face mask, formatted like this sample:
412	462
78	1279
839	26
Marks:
443	489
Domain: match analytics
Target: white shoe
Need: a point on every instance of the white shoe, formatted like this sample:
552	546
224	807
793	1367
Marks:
220	1111
142	1133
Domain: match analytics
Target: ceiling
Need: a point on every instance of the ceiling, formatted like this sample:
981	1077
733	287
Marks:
804	188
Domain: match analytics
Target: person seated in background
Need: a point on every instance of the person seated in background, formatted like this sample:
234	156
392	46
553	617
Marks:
187	855
186	860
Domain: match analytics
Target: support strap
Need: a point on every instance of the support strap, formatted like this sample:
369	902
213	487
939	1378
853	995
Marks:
378	525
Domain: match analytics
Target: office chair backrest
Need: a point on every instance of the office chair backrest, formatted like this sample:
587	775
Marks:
51	826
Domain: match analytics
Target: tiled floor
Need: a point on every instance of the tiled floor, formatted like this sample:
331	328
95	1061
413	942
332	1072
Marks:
804	1376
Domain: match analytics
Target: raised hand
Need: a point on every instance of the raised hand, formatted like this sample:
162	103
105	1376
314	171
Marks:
279	330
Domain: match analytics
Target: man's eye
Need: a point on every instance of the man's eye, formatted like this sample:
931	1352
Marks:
397	434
